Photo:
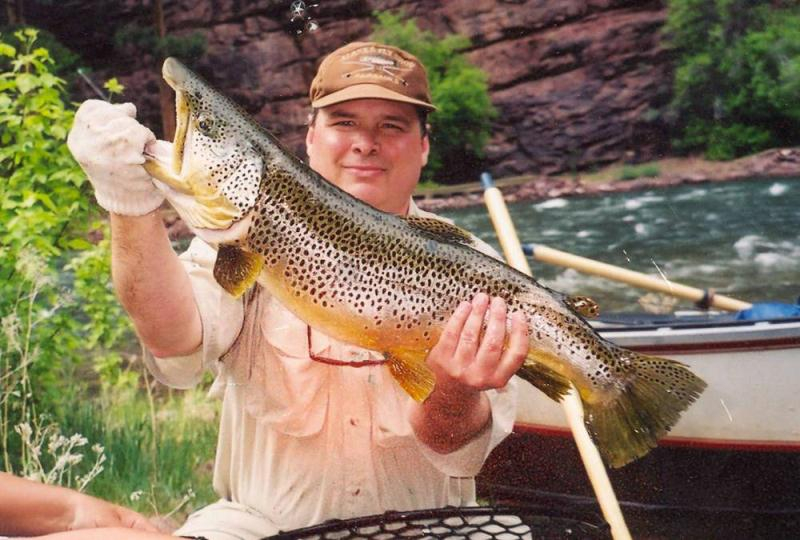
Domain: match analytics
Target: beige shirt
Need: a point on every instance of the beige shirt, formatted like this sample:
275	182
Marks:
302	441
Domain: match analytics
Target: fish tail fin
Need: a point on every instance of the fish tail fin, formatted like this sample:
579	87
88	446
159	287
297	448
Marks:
628	426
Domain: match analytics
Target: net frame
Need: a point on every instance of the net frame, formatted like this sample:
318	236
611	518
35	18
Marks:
500	522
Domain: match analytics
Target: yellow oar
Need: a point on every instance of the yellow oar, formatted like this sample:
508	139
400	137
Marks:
636	279
572	404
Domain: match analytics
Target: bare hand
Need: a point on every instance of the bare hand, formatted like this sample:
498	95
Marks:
466	362
90	513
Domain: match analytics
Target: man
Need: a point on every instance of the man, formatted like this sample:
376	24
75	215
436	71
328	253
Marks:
303	441
30	508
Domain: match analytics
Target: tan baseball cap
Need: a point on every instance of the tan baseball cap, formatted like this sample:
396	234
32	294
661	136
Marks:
370	70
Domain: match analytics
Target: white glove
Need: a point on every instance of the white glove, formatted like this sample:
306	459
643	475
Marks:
108	143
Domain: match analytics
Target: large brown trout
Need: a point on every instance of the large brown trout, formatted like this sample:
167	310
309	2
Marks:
385	282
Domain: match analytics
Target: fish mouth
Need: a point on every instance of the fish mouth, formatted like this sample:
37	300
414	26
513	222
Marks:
182	182
169	171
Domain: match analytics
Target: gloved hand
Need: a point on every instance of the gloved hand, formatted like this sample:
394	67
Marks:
108	142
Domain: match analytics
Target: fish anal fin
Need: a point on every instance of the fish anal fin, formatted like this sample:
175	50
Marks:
412	373
441	230
553	384
236	269
583	305
628	426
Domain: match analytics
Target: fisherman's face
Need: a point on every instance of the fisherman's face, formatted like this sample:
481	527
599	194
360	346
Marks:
371	148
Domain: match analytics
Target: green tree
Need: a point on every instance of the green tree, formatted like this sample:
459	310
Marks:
737	75
462	124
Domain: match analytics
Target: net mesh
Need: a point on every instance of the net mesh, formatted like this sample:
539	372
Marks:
474	523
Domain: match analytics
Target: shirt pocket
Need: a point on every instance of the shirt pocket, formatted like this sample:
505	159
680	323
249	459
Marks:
286	389
390	409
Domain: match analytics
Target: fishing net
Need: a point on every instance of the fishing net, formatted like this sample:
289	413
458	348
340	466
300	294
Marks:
451	523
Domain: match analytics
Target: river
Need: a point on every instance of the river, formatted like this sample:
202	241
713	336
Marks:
740	238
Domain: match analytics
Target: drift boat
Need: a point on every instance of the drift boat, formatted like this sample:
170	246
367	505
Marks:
732	462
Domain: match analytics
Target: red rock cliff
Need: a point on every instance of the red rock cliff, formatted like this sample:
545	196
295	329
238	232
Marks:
577	83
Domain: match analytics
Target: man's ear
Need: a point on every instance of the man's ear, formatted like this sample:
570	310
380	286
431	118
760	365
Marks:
309	136
426	149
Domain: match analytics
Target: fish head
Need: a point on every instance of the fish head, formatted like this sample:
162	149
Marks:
213	173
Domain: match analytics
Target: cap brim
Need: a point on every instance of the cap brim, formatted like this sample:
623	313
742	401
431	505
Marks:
367	91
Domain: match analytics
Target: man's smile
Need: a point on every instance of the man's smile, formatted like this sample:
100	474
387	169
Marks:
364	170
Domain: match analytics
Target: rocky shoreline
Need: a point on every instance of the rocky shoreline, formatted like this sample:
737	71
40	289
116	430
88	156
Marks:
775	163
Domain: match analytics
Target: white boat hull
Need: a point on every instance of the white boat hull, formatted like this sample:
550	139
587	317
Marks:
753	395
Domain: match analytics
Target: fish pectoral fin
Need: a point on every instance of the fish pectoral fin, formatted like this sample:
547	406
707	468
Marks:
553	384
236	269
441	230
411	373
583	305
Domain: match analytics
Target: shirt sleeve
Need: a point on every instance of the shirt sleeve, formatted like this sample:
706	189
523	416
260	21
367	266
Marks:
220	313
468	460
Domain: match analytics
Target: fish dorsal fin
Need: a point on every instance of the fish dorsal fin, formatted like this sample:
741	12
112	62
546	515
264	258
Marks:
236	269
441	230
583	305
412	373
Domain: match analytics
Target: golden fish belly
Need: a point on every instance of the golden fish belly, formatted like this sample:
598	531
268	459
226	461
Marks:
353	323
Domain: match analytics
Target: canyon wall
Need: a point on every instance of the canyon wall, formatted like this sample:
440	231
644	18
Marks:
577	83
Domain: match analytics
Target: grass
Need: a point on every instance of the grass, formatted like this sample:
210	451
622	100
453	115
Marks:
632	172
156	469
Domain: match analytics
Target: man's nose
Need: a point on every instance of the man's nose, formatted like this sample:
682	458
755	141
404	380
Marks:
366	142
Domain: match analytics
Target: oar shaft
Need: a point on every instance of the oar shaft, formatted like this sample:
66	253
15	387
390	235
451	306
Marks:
506	233
635	279
573	409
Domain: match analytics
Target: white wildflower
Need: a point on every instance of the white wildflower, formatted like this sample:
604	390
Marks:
10	324
78	440
56	441
33	267
136	495
24	430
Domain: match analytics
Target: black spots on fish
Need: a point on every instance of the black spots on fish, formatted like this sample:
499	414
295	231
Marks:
242	183
672	375
600	375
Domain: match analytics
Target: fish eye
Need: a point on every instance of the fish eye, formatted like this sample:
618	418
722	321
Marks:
205	124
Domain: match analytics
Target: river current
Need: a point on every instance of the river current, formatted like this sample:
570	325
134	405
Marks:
740	238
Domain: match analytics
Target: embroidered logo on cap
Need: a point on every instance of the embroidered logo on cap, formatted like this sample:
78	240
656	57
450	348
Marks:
377	63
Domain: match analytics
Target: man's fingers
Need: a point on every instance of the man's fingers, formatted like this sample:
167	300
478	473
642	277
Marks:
448	341
128	109
517	350
491	345
471	332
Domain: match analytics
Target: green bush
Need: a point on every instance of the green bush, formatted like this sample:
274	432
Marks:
632	172
145	39
64	336
45	214
737	76
461	126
